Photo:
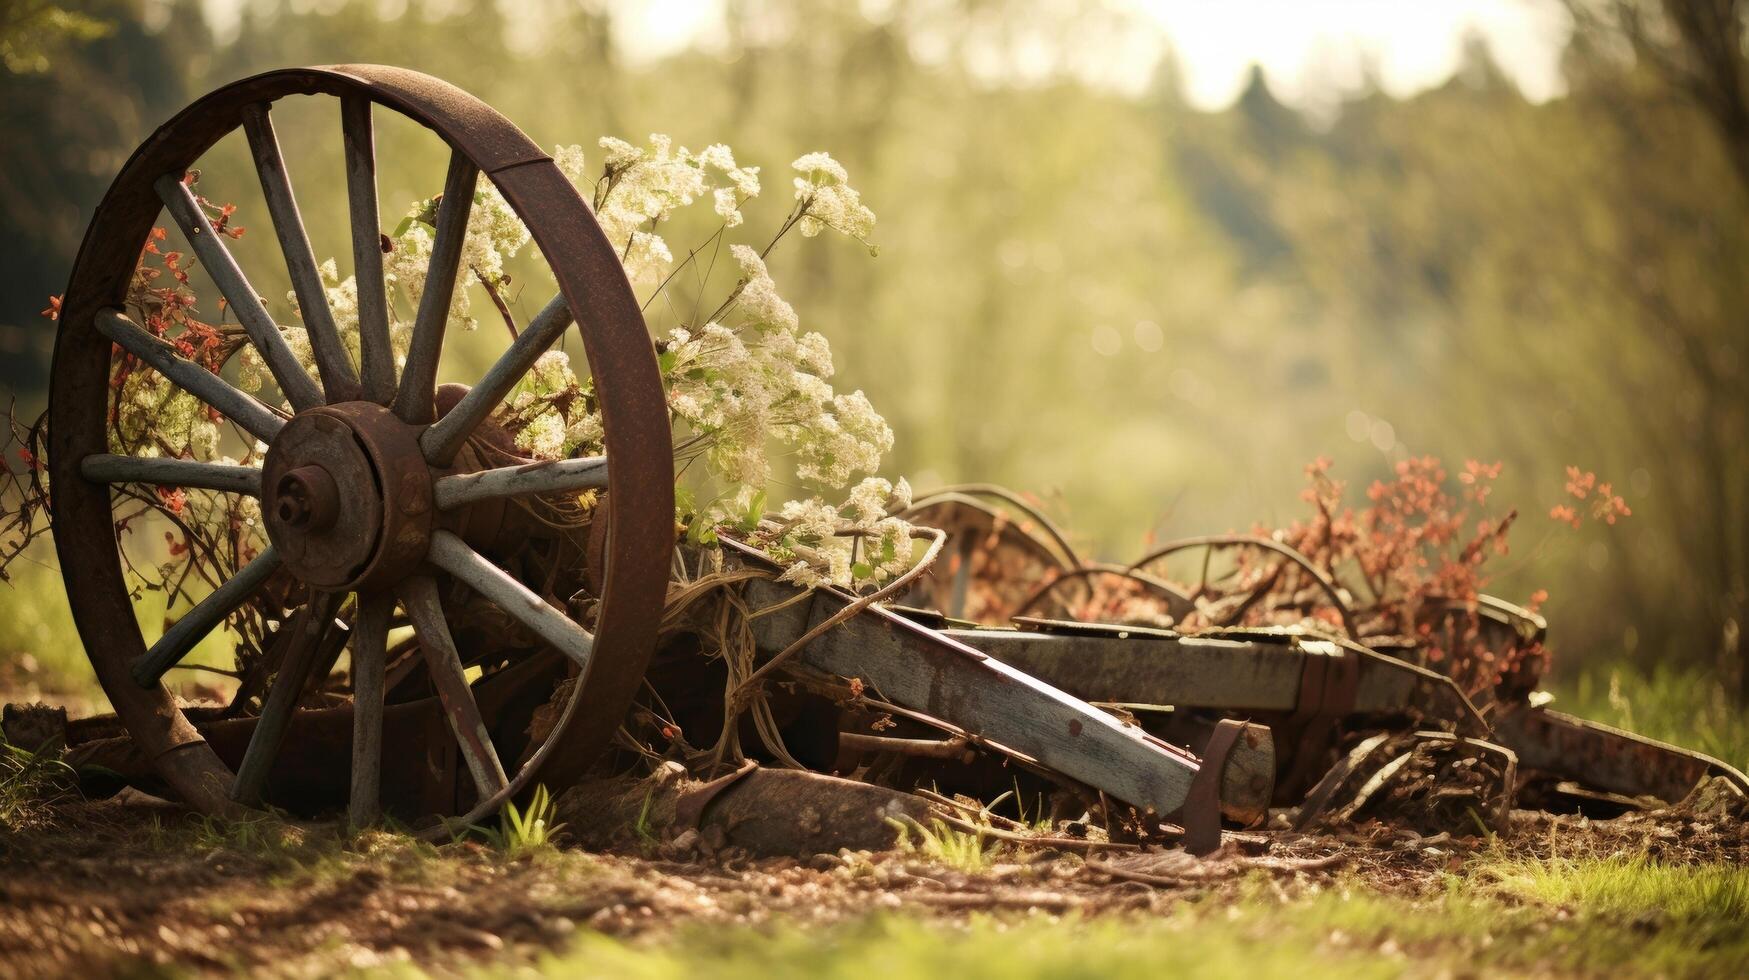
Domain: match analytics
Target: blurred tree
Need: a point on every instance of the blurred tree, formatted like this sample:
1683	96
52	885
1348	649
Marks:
1157	313
97	80
33	30
1694	45
1689	52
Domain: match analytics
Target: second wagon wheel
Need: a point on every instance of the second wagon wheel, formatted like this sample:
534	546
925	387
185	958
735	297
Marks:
363	485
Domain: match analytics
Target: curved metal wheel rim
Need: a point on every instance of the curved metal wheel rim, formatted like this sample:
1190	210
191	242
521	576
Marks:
616	343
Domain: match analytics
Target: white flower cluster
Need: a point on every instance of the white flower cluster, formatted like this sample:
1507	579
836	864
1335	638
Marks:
152	416
763	381
550	412
852	543
753	377
495	234
828	200
155	418
644	185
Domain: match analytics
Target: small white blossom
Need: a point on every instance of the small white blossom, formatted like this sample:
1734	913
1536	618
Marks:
647	257
867	502
203	439
811	522
619	153
805	575
543	436
820	168
759	301
828	199
728	206
571	162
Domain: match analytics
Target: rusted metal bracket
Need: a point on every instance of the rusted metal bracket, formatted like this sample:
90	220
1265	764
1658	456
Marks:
689	808
1202	811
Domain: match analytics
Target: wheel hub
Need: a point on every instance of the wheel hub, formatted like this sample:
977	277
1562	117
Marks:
347	497
307	499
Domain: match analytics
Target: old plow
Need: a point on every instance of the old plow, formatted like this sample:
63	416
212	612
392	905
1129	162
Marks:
431	642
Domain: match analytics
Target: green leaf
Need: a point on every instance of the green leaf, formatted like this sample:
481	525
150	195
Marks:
862	569
755	511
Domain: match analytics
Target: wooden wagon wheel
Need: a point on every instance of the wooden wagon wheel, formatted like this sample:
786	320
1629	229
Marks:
361	479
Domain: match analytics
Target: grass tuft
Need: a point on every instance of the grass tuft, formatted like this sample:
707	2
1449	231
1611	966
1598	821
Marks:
1628	886
525	833
30	782
958	849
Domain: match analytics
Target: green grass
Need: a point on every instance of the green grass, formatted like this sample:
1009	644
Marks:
1615	917
29	781
525	833
961	850
1686	706
1625	886
41	655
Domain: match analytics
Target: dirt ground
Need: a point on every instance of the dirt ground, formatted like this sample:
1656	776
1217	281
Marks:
123	887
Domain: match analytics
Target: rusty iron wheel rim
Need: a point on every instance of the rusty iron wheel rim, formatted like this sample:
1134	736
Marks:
620	356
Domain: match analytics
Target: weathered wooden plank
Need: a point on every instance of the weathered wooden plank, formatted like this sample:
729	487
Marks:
207	614
163	471
550	476
444	439
926	671
255	418
1605	758
415	403
419	598
369	642
299	388
339	381
451	554
376	356
1139	665
1151	669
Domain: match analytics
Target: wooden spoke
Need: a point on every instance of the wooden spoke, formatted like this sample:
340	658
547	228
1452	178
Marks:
451	554
339	381
549	476
419	598
312	623
376	359
226	478
300	389
444	439
415	401
199	621
238	406
369	641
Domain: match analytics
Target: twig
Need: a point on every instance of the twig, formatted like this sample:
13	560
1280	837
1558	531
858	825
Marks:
497	300
927	748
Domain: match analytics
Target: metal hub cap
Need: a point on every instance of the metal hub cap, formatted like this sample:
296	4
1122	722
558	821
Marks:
347	495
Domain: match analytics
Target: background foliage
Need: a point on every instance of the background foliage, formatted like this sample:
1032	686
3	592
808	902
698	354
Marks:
1153	315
